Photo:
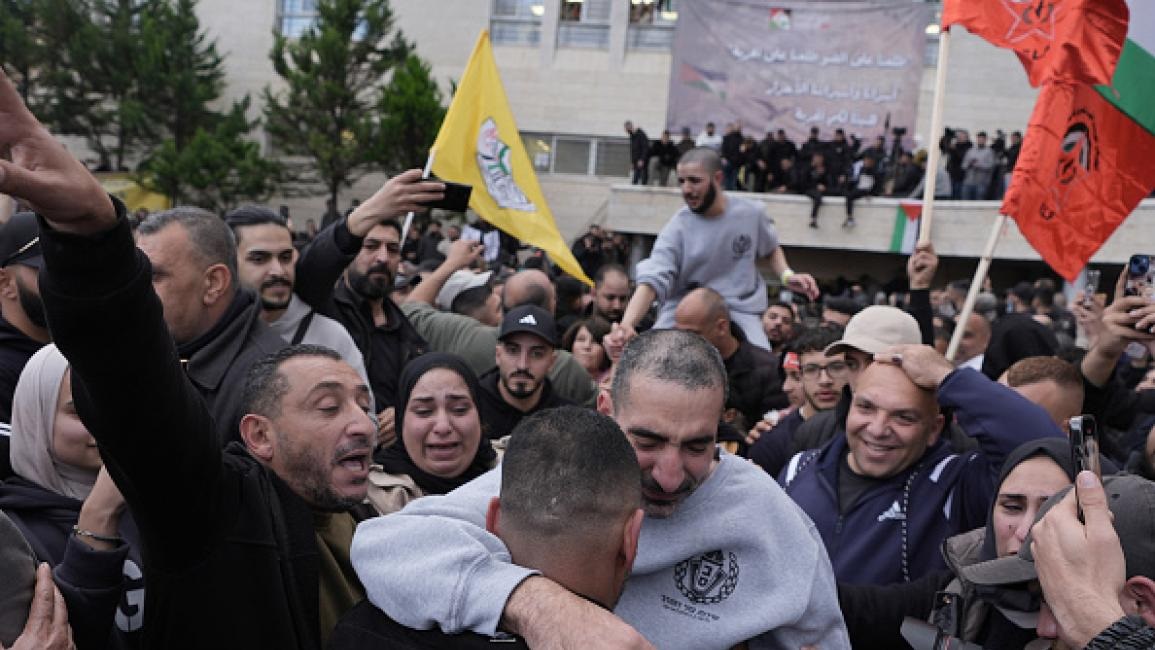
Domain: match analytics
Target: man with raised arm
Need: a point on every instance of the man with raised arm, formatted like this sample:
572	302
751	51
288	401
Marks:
714	241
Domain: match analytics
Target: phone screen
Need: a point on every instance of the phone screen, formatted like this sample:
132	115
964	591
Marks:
1140	278
1085	447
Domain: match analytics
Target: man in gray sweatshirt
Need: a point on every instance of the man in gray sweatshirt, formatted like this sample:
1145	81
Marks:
714	241
724	557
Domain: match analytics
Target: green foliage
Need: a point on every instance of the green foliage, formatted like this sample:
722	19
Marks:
411	114
333	76
19	48
217	169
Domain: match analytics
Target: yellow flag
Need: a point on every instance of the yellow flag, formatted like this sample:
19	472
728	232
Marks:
479	145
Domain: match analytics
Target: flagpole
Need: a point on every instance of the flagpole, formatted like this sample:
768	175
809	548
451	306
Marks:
933	153
976	286
409	217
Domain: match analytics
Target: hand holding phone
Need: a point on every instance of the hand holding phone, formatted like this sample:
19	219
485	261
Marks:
456	197
1084	436
1140	278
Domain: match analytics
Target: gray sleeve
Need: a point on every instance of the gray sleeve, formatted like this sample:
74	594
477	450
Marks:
572	382
767	236
664	264
821	625
434	564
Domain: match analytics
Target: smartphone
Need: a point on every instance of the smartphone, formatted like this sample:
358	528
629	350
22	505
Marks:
456	197
1140	279
1084	436
1091	288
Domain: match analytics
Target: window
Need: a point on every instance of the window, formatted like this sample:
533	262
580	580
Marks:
516	22
577	154
573	156
584	23
297	16
651	24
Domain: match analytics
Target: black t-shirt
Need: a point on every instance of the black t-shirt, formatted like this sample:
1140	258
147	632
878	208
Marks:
852	486
367	628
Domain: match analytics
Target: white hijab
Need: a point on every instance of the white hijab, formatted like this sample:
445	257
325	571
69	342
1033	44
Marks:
33	418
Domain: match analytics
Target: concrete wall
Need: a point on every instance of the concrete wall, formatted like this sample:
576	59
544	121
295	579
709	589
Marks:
591	92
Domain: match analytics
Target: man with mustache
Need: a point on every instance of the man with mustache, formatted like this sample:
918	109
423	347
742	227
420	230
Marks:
724	557
266	265
246	547
360	254
715	241
519	386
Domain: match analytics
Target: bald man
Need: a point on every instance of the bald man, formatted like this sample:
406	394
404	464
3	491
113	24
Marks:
714	241
755	386
475	341
885	495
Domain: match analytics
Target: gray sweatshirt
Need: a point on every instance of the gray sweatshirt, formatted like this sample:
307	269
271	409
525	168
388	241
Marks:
717	252
322	331
736	561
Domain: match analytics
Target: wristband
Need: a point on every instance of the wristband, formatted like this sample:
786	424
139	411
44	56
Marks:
786	275
80	532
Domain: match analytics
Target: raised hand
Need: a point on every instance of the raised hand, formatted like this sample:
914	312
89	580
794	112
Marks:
36	168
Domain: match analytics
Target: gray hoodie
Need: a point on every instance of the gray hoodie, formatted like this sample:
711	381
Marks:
736	561
717	252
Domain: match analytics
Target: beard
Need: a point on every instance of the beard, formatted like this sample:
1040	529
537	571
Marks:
32	305
662	509
276	304
372	287
524	390
707	201
311	477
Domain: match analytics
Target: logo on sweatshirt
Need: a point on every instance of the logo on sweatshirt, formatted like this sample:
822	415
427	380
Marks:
893	512
709	578
741	245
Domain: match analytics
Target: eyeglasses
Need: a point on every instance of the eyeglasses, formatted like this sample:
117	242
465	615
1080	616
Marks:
835	369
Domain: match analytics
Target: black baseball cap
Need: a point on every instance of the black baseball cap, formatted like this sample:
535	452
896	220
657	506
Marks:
20	241
529	318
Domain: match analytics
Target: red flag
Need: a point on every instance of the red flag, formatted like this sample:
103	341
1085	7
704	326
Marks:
1064	40
1084	167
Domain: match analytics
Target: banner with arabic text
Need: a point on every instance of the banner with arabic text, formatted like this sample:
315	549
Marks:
793	66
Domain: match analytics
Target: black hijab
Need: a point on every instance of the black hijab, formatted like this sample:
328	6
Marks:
998	632
395	459
1056	448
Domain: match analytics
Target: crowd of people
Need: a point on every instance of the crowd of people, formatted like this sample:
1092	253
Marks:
222	435
841	166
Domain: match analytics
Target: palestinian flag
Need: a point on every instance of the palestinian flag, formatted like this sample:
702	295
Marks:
709	81
1087	157
907	219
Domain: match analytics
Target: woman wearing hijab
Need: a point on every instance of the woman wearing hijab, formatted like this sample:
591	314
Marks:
69	510
439	445
1032	472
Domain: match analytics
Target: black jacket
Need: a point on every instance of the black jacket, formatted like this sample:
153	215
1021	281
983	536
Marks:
365	628
218	362
498	417
319	269
229	549
755	386
15	350
639	146
96	585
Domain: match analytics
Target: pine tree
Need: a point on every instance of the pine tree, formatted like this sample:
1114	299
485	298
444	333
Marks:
411	114
333	75
19	47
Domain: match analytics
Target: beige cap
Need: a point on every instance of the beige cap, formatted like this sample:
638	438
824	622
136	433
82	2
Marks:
877	328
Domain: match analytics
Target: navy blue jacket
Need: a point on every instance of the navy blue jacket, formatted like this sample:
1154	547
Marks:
895	531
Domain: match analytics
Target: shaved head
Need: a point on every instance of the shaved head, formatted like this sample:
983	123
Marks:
529	287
